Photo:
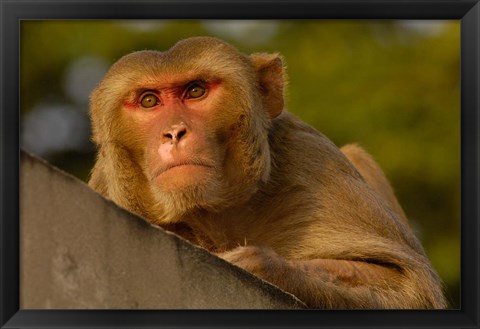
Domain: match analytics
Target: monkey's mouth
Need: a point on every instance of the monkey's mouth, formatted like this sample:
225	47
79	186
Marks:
182	164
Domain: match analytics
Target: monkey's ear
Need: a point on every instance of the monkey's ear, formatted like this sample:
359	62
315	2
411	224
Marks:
271	77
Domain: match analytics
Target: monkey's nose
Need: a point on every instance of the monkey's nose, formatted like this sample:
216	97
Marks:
175	133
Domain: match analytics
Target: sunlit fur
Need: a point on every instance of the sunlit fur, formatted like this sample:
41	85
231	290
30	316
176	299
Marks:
283	201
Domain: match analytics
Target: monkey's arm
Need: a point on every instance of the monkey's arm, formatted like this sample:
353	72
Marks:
330	283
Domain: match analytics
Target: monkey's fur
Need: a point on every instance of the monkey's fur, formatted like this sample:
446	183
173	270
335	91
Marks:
253	183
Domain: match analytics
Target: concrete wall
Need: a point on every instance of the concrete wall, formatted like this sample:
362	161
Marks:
78	250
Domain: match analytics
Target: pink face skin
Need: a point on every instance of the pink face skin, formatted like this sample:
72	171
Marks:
175	118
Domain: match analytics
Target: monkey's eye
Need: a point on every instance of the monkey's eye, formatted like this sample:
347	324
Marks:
195	90
149	100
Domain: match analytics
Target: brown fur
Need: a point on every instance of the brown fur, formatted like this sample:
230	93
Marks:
272	195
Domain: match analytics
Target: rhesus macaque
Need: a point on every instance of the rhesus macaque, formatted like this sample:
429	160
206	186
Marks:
196	140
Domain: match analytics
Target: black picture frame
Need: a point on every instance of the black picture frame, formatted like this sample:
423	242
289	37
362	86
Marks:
12	12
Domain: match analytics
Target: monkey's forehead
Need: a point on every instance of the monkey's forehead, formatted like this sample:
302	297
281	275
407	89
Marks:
203	43
196	51
200	57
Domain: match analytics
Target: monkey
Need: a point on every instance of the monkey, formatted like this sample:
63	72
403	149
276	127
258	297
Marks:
197	140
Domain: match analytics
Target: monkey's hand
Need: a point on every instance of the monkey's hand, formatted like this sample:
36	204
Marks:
266	264
260	261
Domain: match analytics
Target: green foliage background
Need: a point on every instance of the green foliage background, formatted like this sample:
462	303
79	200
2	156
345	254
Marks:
391	86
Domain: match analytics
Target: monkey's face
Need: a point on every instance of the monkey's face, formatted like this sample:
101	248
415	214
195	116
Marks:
181	146
193	118
184	138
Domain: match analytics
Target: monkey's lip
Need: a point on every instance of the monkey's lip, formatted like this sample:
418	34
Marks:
182	164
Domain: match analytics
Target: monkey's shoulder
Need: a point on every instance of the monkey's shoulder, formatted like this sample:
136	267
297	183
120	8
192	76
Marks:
295	143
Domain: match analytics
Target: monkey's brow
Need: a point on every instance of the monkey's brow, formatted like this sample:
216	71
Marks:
173	82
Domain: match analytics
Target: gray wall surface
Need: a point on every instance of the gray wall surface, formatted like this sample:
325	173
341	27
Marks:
79	250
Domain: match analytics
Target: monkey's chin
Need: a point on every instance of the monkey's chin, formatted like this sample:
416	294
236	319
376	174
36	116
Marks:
181	193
